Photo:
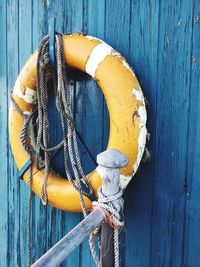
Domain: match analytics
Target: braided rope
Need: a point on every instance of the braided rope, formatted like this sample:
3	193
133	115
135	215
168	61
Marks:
23	138
63	101
115	219
29	228
69	143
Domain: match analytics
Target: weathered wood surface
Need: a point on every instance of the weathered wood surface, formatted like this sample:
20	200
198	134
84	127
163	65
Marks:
162	204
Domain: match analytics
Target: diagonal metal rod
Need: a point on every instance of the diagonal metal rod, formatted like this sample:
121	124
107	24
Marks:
57	254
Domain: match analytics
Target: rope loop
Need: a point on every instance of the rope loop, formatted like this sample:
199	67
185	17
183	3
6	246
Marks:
112	216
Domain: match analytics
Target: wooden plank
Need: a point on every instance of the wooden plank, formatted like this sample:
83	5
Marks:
174	58
143	42
39	217
95	110
55	216
118	37
4	165
161	41
24	51
96	27
191	255
72	23
90	104
13	180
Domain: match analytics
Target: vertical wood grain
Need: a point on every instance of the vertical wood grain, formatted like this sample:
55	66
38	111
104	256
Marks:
13	198
39	212
4	161
191	247
73	23
171	133
54	216
24	50
160	39
118	35
143	42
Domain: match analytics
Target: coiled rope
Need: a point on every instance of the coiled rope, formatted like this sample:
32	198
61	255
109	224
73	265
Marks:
43	151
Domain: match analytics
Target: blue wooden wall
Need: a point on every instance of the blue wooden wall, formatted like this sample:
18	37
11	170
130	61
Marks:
161	40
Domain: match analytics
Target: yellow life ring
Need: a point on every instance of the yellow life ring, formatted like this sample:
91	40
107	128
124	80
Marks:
125	103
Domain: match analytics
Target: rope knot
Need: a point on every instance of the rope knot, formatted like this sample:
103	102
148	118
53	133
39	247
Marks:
111	208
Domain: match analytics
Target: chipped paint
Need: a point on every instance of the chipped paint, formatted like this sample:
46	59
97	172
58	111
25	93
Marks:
113	52
138	94
97	55
13	108
99	170
142	136
93	38
122	60
26	113
126	65
32	135
29	96
124	181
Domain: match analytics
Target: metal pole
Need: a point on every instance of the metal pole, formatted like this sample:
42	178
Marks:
57	254
110	162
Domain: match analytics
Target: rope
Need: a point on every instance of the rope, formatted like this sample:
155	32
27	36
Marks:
23	138
69	143
113	217
29	228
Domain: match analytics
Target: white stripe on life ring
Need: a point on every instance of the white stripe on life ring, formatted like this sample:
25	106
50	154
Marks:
96	57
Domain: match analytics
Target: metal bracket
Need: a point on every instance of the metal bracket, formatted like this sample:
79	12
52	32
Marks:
52	24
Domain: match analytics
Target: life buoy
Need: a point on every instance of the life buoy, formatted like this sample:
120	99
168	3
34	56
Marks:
125	103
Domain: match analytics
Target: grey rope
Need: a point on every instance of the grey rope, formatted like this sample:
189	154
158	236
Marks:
116	217
23	138
63	106
29	228
63	101
69	142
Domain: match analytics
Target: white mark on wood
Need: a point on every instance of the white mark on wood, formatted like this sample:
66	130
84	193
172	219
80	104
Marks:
30	94
179	23
98	54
